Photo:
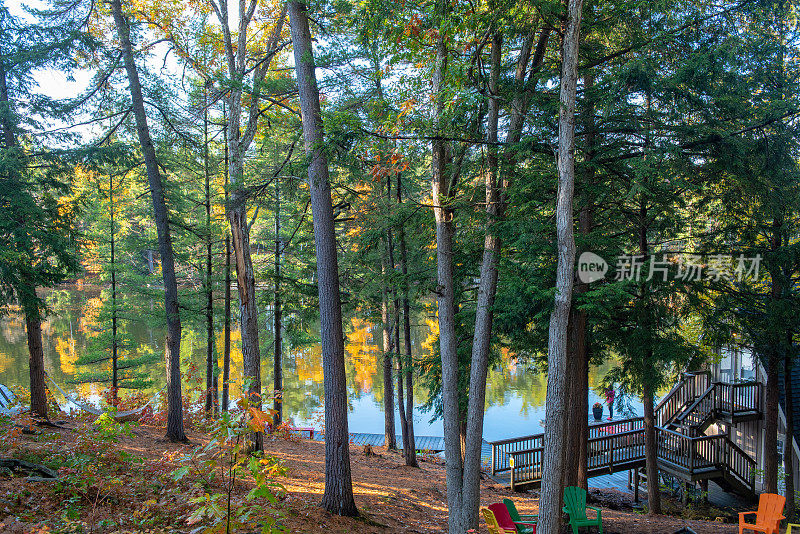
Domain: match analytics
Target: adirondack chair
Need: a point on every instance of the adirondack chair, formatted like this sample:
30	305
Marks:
575	506
790	526
768	516
492	525
516	516
503	518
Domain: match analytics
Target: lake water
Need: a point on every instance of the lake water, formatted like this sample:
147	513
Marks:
515	392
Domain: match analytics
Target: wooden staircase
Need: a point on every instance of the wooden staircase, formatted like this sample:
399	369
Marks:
684	450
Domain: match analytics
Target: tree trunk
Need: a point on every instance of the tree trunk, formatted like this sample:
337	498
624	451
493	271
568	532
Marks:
788	449
651	453
390	440
248	312
238	143
114	344
771	425
338	496
410	452
555	418
33	323
443	213
484	312
585	224
175	430
388	348
400	381
277	363
211	393
572	443
771	459
226	352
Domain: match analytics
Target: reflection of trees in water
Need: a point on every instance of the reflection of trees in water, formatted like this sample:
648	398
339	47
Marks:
362	352
74	319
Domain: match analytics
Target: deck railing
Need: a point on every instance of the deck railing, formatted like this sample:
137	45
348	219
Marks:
615	445
503	450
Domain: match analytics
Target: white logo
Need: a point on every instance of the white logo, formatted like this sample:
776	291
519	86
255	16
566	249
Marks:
591	267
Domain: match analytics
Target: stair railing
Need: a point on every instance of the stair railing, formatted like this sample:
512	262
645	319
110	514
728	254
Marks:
701	410
739	464
685	392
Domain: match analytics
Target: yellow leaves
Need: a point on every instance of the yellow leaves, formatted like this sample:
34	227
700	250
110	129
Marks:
407	106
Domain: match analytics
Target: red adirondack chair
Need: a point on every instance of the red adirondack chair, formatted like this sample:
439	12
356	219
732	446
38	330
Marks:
506	523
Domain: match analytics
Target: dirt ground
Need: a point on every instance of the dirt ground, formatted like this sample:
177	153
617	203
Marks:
391	497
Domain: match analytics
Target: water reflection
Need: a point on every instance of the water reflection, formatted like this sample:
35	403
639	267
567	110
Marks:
515	395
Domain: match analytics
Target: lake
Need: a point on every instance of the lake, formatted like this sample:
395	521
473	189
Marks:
515	391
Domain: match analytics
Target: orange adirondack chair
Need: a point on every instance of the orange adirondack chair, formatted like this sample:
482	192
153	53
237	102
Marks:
492	525
768	516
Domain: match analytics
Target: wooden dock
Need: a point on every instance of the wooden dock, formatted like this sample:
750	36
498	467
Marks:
433	444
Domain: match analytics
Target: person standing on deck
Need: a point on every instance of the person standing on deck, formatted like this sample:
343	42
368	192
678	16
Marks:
610	401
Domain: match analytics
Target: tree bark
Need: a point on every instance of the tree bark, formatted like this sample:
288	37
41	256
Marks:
585	225
338	496
410	452
788	449
555	418
771	426
175	430
114	344
400	381
277	364
33	323
650	451
226	352
443	214
211	393
571	439
772	368
484	313
389	439
396	344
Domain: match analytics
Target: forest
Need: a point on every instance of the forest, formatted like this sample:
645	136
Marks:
558	186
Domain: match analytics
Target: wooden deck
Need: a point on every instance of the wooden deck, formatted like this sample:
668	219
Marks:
684	450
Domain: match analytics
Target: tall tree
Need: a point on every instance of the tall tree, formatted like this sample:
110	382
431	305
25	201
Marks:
338	496
406	366
38	249
556	417
241	63
175	431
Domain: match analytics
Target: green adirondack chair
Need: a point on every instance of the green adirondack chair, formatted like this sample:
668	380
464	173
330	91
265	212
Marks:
516	517
575	506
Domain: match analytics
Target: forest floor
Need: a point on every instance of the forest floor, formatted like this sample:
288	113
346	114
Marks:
130	486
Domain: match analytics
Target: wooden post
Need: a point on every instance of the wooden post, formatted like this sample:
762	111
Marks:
511	465
636	485
493	470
